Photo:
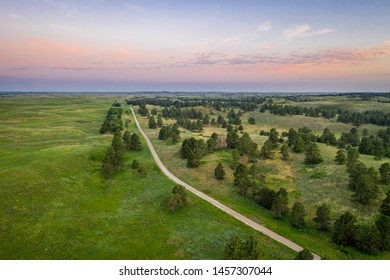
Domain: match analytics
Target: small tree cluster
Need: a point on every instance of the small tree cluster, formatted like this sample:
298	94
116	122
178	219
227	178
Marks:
132	142
312	154
219	172
113	121
114	159
193	150
239	249
169	132
177	199
139	167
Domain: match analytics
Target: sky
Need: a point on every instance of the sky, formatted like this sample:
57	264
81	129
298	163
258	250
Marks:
242	45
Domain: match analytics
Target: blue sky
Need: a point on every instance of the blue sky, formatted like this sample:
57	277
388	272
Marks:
195	45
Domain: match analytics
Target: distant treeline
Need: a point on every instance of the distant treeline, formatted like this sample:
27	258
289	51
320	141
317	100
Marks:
344	116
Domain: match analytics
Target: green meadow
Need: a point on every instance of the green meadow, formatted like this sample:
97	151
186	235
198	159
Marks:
55	203
308	184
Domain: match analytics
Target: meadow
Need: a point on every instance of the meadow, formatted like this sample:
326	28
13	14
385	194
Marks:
55	203
311	185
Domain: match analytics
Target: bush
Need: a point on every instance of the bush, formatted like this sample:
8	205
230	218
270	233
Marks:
177	199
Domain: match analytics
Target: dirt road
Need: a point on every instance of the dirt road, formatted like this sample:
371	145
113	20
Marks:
216	203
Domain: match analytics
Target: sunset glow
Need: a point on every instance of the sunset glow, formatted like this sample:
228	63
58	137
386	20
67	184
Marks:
98	45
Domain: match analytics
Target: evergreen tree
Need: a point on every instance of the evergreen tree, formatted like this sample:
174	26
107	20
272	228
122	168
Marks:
384	171
177	199
385	206
280	205
237	249
251	120
232	139
297	217
340	158
135	142
266	197
383	225
312	154
352	157
108	163
152	123
256	172
240	173
193	160
135	164
235	158
219	172
159	120
247	147
304	255
345	229
322	218
284	151
362	181
368	239
119	151
299	145
266	151
127	139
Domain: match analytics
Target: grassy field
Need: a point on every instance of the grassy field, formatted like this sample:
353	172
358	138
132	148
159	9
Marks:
55	203
311	185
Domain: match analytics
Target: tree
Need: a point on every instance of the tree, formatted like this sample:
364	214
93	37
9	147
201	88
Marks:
232	139
237	249
322	218
177	199
384	171
362	181
247	147
280	205
240	173
127	139
266	151
383	225
235	158
152	123
385	206
299	145
312	154
159	120
304	255
368	239
135	164
345	229
119	151
108	163
340	158
251	120
193	160
135	142
256	172
352	157
297	217
284	151
219	172
266	197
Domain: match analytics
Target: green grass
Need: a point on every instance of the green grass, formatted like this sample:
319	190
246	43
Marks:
311	185
56	205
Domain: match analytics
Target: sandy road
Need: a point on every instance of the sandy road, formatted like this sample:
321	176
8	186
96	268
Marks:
216	203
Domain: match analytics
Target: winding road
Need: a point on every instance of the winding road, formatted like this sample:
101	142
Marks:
216	203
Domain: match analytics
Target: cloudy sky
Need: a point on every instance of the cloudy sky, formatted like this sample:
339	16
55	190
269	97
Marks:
242	45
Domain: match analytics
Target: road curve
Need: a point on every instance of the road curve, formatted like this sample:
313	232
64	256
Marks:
216	203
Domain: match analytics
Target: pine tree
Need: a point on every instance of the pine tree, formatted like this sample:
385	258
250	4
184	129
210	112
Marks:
280	205
384	171
152	123
237	249
135	164
304	255
284	151
340	158
159	120
108	163
297	218
383	225
193	160
135	142
235	158
312	154
219	172
385	206
322	218
299	145
177	199
368	239
345	229
127	139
